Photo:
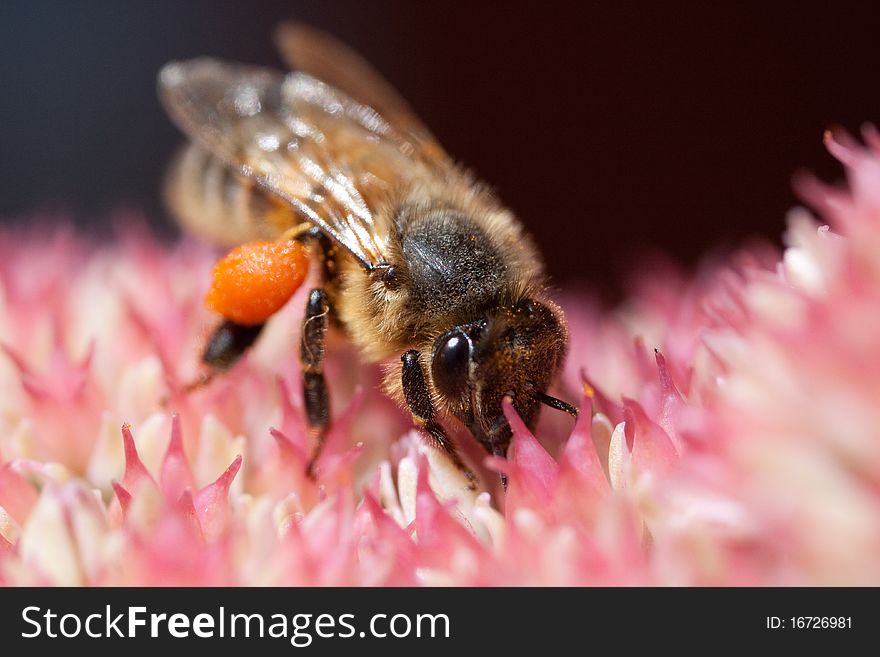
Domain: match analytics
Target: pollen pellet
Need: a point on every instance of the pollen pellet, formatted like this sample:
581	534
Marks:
256	279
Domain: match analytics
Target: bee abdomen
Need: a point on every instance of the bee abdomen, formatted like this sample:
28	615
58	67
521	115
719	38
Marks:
211	200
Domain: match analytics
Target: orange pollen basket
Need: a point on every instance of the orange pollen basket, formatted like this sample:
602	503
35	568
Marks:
256	279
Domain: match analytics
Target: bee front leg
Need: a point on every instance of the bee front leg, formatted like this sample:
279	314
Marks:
418	400
311	354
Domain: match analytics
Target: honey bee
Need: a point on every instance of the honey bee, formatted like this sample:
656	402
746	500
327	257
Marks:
419	260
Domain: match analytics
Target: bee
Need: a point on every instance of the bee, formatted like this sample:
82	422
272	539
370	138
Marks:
419	261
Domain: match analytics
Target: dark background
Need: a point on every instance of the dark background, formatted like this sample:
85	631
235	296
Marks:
611	129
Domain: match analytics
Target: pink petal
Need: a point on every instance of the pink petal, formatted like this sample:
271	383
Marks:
393	542
136	472
186	507
122	496
176	475
437	531
290	451
535	468
338	469
671	401
288	471
386	525
338	439
652	450
642	360
842	146
17	494
212	501
613	411
580	454
293	425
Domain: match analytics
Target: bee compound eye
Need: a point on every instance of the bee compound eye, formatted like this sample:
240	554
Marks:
387	275
450	365
390	278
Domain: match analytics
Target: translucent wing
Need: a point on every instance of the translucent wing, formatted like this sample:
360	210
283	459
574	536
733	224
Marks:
325	58
329	158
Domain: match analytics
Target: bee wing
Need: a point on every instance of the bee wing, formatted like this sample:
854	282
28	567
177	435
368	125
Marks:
320	55
329	158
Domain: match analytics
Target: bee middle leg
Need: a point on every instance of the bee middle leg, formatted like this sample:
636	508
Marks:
418	400
315	397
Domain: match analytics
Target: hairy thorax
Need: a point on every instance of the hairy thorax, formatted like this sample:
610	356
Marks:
452	260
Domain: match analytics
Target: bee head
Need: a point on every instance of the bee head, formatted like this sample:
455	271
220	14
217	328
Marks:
515	351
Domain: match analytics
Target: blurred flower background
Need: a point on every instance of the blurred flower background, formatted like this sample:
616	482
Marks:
729	432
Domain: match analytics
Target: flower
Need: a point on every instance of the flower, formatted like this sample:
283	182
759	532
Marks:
728	431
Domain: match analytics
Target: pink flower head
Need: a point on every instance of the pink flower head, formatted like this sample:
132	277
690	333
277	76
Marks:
727	430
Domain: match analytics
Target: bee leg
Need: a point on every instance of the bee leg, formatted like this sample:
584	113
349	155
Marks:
231	340
501	453
496	441
418	399
311	355
225	347
227	344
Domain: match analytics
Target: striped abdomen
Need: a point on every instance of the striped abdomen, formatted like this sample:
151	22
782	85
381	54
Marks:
213	201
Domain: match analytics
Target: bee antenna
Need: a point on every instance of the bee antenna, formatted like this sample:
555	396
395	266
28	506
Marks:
558	404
